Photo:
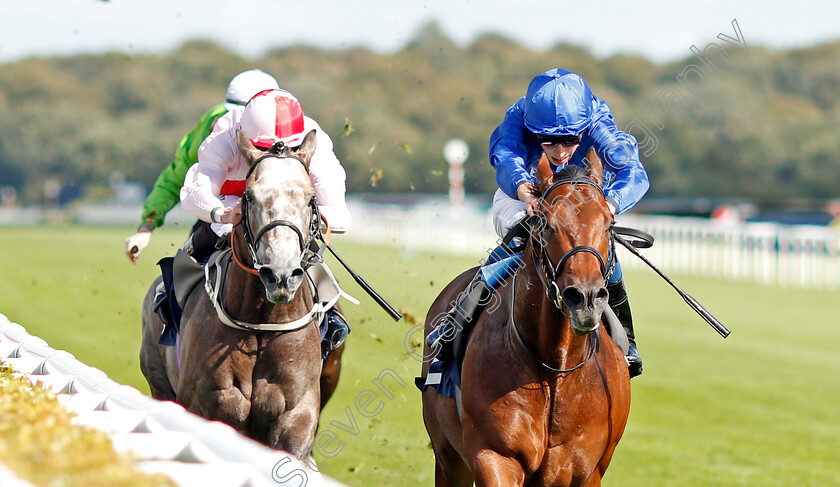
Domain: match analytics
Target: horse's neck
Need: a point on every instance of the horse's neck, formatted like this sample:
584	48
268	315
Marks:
244	295
543	327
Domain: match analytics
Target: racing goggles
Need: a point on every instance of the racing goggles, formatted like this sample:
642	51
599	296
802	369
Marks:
564	140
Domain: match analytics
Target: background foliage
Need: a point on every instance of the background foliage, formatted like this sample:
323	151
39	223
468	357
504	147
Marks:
765	128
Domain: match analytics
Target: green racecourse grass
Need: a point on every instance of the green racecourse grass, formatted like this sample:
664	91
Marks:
757	409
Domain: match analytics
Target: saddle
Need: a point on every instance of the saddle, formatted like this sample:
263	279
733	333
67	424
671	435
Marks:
181	274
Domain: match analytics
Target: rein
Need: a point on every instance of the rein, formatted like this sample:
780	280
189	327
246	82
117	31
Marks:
593	343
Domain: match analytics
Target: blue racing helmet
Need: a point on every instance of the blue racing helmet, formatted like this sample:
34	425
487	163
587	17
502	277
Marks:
558	102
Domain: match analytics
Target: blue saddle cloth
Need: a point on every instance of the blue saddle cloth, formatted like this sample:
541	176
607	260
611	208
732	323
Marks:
167	306
443	375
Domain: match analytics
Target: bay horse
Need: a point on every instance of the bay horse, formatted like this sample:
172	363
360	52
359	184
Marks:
267	384
545	392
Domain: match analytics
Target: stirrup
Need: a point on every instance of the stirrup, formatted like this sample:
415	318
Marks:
337	331
188	246
634	361
444	332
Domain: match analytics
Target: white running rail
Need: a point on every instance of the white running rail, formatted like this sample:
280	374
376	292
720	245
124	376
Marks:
163	436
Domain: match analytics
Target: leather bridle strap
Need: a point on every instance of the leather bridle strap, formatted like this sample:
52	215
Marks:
281	223
545	270
592	341
248	269
278	151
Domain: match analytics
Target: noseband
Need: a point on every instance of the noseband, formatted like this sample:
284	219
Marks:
308	257
542	261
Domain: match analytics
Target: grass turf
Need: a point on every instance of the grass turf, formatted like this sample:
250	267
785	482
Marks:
758	408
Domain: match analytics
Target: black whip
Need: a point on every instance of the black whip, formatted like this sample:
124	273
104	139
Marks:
695	305
396	315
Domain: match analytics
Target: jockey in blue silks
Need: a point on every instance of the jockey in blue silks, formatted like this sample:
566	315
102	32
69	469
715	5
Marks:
561	118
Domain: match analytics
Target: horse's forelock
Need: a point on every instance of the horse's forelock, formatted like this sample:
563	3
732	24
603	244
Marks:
280	173
563	201
570	171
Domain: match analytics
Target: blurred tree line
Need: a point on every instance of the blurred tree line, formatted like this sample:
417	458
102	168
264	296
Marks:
765	127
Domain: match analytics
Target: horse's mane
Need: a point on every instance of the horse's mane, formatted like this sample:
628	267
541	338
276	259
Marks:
572	172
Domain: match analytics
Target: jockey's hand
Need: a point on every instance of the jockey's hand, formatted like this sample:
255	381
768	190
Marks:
230	215
528	194
135	244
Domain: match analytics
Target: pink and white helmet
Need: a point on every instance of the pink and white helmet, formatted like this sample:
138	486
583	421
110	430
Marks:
273	116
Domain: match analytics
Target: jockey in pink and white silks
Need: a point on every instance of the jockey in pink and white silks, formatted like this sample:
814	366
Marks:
213	187
165	193
560	118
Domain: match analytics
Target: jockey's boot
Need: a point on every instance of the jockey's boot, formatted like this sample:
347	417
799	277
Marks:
202	242
620	305
337	331
447	338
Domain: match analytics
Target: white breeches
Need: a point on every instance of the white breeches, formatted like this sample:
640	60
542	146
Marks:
506	212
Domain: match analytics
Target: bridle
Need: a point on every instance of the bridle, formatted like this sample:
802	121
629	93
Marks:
308	253
549	273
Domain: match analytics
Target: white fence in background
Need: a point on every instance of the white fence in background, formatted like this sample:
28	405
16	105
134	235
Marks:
767	253
428	227
162	436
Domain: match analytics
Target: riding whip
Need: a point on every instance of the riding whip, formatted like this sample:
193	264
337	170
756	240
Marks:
396	315
695	305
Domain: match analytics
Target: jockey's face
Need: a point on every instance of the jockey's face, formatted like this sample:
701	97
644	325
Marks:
559	149
559	154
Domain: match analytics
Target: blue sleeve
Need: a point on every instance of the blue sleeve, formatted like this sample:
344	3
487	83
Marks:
509	152
626	180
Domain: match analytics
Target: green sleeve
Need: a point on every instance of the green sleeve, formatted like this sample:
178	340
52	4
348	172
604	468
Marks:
166	192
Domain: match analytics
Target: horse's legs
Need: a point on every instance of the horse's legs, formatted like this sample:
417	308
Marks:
450	469
294	430
330	373
492	469
229	405
158	381
594	480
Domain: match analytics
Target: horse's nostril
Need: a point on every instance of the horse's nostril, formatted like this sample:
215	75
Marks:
600	295
267	277
572	297
297	272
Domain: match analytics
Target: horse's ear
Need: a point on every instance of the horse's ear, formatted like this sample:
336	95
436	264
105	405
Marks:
596	167
246	148
307	148
544	174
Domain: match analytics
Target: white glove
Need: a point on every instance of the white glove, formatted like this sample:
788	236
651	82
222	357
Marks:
135	244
